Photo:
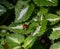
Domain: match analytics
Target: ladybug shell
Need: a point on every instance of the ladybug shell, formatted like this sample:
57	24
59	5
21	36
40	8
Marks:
25	26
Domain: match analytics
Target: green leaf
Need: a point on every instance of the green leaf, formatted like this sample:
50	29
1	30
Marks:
19	28
1	47
29	41
43	11
7	4
19	6
23	13
43	24
33	25
15	28
2	10
15	39
28	13
55	46
46	2
43	21
2	41
16	47
58	12
31	28
36	31
55	35
53	18
54	22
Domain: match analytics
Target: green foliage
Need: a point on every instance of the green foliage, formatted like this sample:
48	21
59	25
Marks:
53	18
1	47
2	10
55	46
43	24
23	16
29	41
14	40
55	35
7	4
45	2
58	12
27	23
43	11
19	6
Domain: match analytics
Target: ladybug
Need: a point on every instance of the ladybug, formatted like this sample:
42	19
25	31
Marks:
25	26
